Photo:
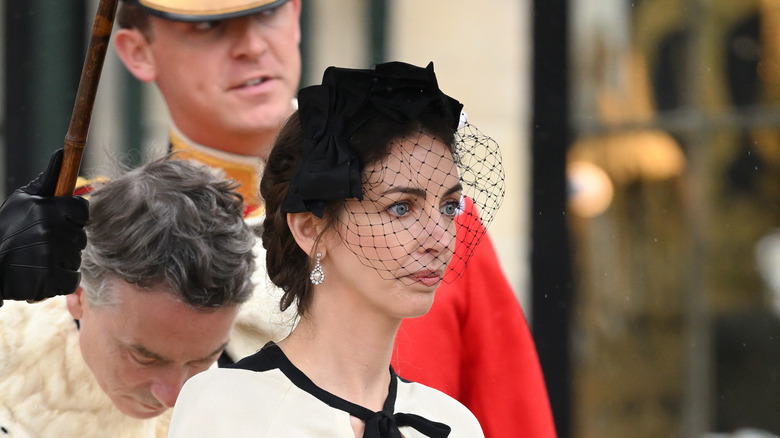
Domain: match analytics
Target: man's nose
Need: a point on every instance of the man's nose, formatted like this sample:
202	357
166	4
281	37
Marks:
249	39
166	387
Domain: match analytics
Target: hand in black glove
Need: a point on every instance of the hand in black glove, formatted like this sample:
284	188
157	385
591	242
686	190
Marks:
41	238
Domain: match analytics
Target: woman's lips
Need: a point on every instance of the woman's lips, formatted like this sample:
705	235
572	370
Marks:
427	278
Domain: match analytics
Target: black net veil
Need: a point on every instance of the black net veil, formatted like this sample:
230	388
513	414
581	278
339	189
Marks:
417	211
425	206
482	176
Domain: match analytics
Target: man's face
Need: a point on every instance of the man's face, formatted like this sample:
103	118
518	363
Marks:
228	78
145	346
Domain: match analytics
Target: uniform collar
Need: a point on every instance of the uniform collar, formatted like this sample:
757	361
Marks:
245	170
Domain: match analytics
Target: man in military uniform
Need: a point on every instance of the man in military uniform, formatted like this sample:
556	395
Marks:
228	71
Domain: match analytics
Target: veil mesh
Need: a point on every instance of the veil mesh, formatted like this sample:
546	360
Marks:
426	207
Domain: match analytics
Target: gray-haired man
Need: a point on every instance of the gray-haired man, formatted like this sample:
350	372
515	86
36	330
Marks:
168	261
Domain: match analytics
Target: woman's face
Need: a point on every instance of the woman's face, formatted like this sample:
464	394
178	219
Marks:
397	241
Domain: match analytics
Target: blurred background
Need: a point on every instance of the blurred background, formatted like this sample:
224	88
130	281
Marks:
641	141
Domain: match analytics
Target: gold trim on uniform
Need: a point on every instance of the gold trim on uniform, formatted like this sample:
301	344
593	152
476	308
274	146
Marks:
243	169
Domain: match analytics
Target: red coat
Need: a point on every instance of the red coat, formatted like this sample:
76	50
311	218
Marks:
474	345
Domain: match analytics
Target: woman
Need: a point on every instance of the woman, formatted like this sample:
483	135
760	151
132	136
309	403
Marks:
362	191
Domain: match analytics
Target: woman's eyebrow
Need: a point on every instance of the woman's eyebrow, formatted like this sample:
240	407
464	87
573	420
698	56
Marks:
416	191
454	189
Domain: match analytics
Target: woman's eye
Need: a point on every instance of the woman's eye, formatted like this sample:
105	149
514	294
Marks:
450	208
399	209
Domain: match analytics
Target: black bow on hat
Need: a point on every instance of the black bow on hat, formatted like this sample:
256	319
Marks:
330	113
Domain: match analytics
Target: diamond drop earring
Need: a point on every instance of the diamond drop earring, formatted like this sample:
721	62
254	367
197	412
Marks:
317	275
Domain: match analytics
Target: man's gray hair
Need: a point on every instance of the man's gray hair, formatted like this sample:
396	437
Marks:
169	224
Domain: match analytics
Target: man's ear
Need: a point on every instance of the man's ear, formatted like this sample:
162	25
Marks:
305	228
296	4
76	303
134	51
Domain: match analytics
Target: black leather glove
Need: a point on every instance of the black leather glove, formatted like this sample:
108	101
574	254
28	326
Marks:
41	238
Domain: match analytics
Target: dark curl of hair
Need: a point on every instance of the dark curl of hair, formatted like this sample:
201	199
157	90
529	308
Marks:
287	264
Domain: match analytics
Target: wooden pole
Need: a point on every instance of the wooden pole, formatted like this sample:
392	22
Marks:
76	137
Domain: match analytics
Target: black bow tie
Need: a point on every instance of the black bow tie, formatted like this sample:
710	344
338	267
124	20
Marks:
384	425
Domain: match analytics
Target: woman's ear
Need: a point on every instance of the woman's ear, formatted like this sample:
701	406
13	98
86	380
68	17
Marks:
133	49
305	228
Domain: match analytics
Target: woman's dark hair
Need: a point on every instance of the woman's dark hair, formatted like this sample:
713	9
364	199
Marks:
287	264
